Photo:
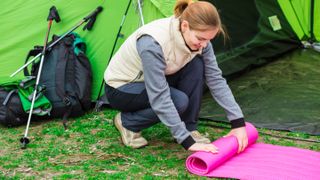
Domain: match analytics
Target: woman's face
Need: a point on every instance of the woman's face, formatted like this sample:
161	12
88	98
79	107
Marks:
197	39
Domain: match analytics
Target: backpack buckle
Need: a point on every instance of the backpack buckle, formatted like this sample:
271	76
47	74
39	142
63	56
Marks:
67	101
29	81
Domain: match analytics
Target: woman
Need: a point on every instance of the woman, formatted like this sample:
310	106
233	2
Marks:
157	75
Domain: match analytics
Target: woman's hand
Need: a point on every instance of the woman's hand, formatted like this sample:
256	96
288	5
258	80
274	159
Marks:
203	147
242	137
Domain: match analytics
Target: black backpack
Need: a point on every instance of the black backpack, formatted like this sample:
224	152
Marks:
66	76
11	111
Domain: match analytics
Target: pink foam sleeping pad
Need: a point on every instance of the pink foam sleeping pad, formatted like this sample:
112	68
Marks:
258	161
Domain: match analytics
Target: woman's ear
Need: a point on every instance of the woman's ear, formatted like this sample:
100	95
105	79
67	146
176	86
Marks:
184	26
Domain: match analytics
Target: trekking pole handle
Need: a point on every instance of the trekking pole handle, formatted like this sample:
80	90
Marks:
53	14
94	13
50	46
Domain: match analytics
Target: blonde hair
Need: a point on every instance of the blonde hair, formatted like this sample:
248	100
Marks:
200	15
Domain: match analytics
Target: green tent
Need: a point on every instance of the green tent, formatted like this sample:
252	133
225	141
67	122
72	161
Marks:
272	62
260	31
24	24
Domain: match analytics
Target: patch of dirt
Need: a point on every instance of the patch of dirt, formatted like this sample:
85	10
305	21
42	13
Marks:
167	144
95	131
175	149
161	173
172	172
70	159
93	148
4	171
113	158
104	156
109	171
50	175
26	171
5	150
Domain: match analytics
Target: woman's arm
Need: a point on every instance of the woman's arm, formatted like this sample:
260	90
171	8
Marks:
158	89
219	88
222	94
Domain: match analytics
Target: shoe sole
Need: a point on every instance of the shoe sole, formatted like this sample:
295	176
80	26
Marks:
117	124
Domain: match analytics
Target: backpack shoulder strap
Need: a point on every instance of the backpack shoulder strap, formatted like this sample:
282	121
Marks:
32	53
61	78
61	70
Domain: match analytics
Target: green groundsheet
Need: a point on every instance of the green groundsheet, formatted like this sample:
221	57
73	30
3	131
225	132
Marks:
283	95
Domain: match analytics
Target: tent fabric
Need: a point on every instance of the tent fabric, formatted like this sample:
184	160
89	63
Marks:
253	41
300	16
316	20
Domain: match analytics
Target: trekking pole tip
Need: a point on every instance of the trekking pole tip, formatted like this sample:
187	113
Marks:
97	107
24	141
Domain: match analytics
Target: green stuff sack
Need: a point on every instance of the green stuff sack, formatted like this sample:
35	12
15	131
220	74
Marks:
15	102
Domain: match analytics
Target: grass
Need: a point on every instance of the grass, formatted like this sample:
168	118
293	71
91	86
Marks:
91	149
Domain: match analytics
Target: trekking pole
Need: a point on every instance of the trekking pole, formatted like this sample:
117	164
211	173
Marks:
98	104
140	12
90	19
53	15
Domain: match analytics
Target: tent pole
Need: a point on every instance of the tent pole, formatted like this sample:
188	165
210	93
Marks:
312	21
98	103
297	17
140	12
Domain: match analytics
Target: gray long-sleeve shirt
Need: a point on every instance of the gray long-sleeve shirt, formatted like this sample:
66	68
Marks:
158	90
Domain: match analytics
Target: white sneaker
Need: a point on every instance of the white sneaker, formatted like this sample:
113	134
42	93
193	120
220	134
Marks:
199	138
129	138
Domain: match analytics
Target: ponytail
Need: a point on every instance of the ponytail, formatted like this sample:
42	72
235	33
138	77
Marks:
180	6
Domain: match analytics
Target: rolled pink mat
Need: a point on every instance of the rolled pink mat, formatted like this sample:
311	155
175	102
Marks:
258	161
202	163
